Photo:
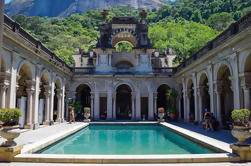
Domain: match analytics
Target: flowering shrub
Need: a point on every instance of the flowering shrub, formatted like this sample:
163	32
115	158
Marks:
241	116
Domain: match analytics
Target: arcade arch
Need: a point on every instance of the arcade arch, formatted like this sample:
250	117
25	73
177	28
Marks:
123	102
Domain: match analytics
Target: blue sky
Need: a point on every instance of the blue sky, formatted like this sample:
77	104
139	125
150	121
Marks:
7	1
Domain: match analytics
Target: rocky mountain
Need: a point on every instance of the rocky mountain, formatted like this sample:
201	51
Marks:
63	8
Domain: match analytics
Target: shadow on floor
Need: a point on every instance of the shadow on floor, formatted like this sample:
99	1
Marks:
222	135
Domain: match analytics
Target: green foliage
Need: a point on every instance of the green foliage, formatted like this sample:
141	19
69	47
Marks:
240	116
123	46
178	24
76	105
10	116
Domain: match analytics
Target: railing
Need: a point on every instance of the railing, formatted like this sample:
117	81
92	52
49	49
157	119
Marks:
83	70
164	70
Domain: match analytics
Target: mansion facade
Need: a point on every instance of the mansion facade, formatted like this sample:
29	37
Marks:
124	85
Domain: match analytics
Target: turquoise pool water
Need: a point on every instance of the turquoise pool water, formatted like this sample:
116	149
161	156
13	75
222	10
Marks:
123	140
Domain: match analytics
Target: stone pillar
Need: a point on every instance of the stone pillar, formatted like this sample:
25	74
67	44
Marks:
188	95
218	91
150	106
179	104
247	98
114	107
52	99
1	28
92	106
36	99
138	106
235	81
199	93
133	106
59	105
67	105
211	89
63	104
184	98
47	94
109	105
30	91
196	112
96	106
155	96
3	87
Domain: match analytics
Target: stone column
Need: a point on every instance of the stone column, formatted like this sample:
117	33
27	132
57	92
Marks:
196	112
138	106
179	104
47	94
63	104
188	96
199	93
247	98
96	106
114	107
30	91
52	99
133	106
150	106
1	28
36	99
59	105
211	89
67	104
109	105
218	91
92	106
155	96
184	98
3	87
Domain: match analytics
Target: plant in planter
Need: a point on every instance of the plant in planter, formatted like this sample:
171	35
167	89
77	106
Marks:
161	114
241	128
9	117
87	114
172	96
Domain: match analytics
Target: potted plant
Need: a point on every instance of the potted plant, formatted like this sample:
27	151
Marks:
171	96
241	127
87	114
161	114
9	117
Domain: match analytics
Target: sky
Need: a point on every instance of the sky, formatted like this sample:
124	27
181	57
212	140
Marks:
7	1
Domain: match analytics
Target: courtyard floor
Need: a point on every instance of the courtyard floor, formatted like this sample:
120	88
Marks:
31	137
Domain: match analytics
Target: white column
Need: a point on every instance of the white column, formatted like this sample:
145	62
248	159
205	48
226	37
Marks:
179	104
150	106
109	105
63	103
184	98
52	99
199	93
59	105
47	94
155	96
3	88
211	88
196	112
138	106
114	107
67	105
218	91
36	99
96	106
133	106
92	105
235	81
30	91
1	28
247	98
188	107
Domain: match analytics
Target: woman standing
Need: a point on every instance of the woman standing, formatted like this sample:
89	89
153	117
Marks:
72	115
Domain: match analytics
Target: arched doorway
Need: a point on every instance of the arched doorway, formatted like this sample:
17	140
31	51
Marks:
123	102
226	96
162	100
24	95
190	96
204	97
57	101
83	97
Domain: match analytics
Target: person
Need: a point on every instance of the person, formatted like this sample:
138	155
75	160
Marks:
72	115
208	120
129	114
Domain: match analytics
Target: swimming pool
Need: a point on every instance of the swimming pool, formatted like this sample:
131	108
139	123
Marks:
125	140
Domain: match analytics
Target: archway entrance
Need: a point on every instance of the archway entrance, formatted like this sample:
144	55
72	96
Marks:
124	103
226	94
204	96
162	100
83	96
